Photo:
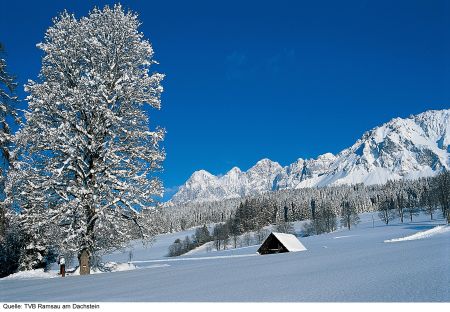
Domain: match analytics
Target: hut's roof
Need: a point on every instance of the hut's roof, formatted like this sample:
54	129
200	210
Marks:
289	241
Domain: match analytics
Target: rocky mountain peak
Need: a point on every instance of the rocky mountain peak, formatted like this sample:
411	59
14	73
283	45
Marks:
403	148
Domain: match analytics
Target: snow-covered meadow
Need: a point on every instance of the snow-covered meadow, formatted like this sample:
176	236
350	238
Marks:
373	262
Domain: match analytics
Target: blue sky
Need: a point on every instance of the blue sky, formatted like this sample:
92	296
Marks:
255	79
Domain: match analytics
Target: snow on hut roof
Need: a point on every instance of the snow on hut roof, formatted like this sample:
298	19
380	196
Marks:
289	241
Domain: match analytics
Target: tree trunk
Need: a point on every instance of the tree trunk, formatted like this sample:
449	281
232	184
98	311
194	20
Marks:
88	245
2	223
84	259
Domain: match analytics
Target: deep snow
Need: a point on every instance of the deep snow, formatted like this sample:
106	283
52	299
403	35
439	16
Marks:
354	265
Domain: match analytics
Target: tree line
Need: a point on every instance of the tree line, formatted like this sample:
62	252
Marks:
241	222
323	206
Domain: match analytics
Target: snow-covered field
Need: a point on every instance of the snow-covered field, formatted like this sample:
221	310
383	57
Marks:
400	262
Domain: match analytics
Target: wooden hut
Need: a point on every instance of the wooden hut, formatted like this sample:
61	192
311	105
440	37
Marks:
280	242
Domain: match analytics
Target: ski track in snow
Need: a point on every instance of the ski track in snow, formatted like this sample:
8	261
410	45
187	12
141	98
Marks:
194	259
154	266
344	236
421	235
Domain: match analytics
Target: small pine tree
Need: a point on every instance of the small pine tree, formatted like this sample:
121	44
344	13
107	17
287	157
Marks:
202	235
176	249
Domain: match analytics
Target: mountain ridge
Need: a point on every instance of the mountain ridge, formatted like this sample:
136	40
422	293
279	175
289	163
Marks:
402	148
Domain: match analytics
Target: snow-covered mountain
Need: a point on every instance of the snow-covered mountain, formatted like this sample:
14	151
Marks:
400	149
203	186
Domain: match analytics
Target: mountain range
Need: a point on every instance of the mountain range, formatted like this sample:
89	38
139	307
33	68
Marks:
403	148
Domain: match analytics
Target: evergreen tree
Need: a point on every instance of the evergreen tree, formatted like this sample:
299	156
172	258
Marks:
176	249
404	197
8	110
202	235
11	245
8	114
234	229
442	183
187	244
11	239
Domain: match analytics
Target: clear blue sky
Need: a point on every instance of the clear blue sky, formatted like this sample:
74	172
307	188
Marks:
277	79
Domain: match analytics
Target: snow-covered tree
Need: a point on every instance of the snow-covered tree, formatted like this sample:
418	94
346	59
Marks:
386	211
11	245
261	234
349	215
285	227
10	234
442	186
176	249
8	103
86	153
234	226
202	235
8	114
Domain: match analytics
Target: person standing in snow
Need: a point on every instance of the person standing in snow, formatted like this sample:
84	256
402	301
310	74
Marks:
62	266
